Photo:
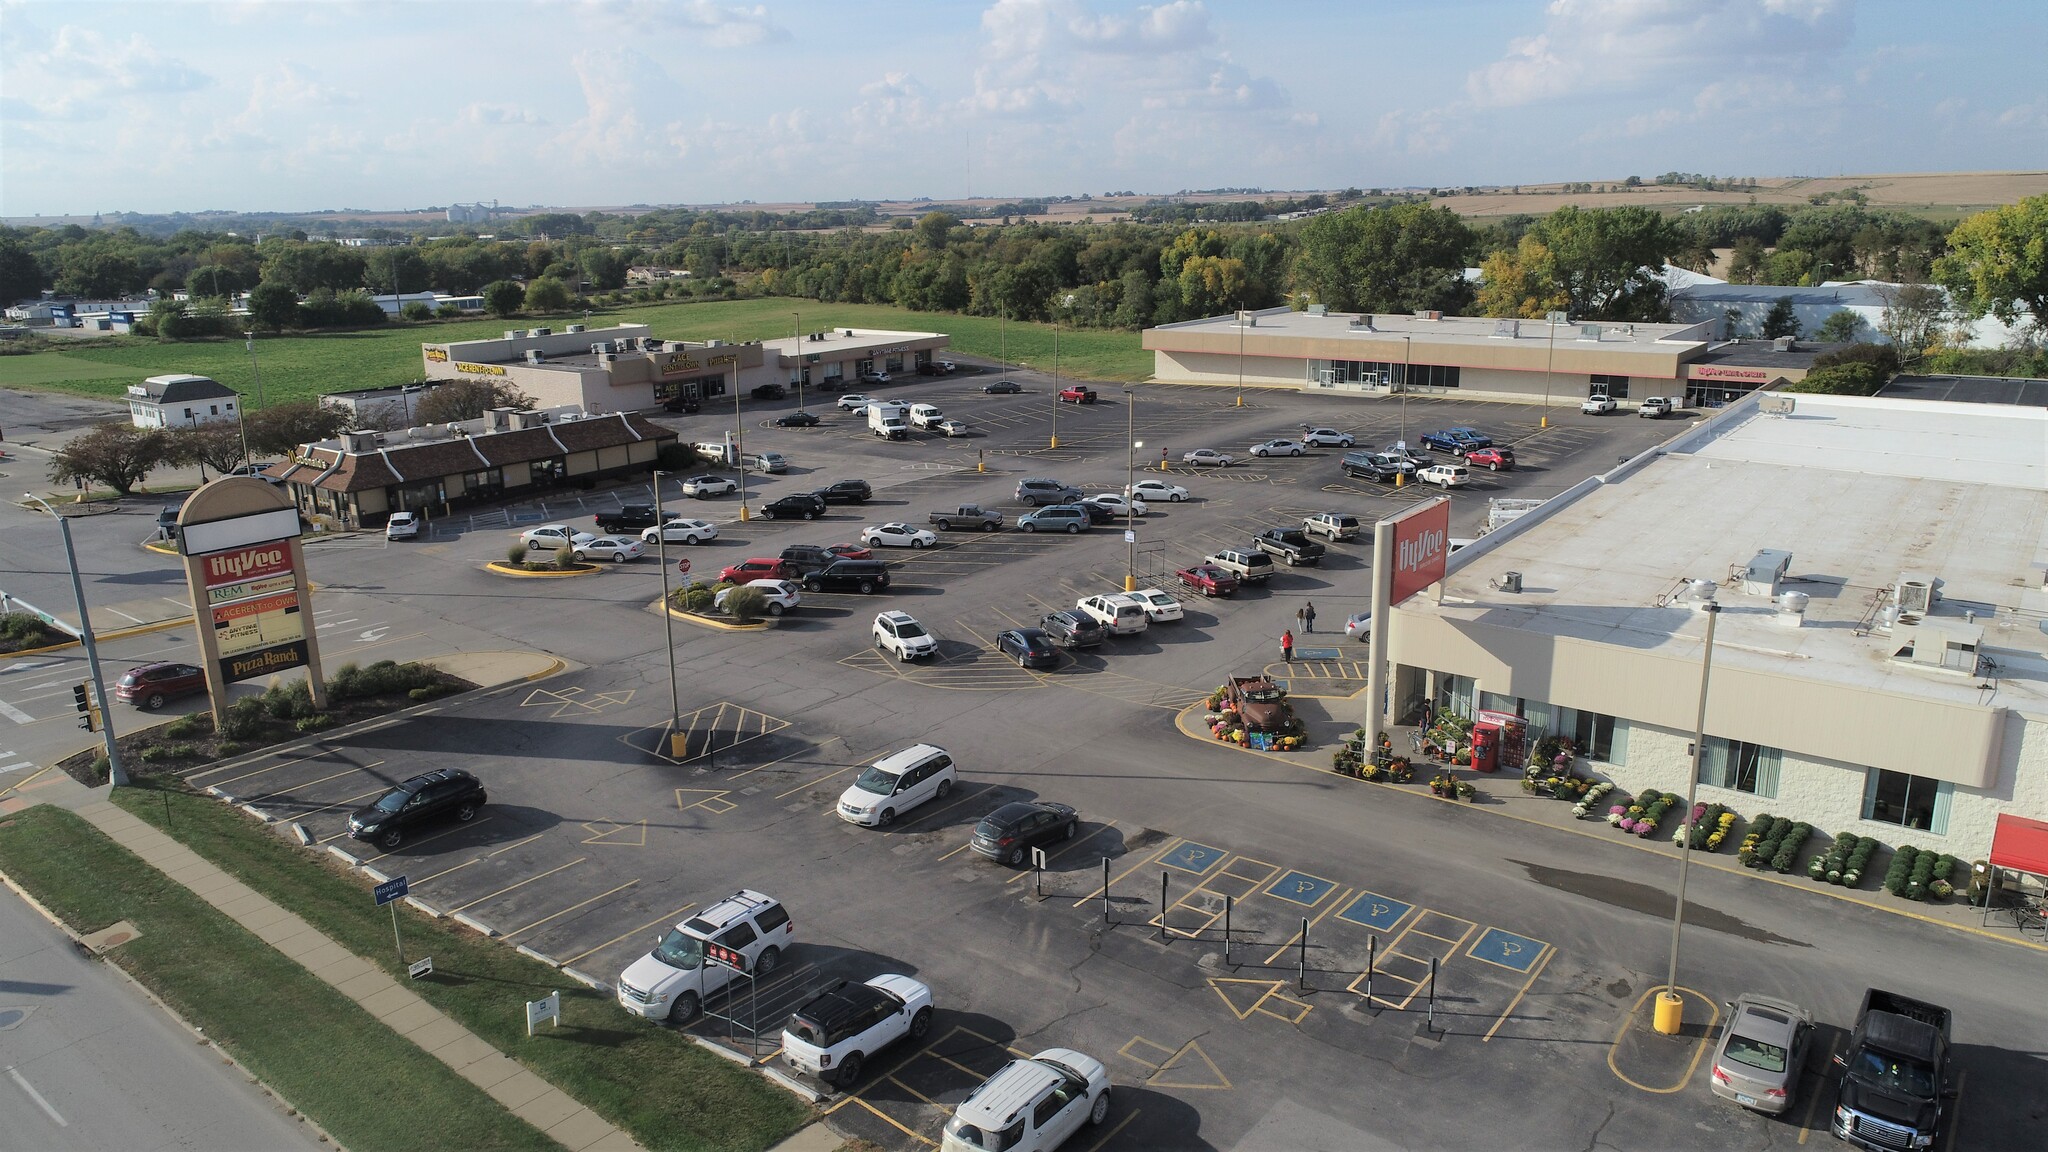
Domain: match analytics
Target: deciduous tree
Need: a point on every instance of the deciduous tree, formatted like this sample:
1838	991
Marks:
466	400
1522	282
281	428
216	445
1781	320
503	297
1997	263
1912	318
1609	261
1839	328
273	306
547	294
118	455
1398	259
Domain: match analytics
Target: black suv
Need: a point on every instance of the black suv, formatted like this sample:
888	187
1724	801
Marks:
806	558
863	576
1097	514
845	492
430	796
1010	832
796	506
1071	628
770	392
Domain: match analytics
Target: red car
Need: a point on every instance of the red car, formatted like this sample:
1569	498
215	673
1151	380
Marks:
759	569
151	686
1208	579
850	551
1493	458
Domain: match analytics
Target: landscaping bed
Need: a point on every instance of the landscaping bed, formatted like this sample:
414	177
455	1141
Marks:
309	1043
21	631
648	1080
283	712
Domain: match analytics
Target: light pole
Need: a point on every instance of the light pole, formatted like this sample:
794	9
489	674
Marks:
668	624
1130	498
116	775
1406	360
1670	1011
1058	385
1554	318
250	337
1240	353
798	317
739	451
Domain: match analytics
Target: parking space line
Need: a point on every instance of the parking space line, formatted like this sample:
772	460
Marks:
436	836
445	871
773	763
338	803
1069	848
890	1120
521	884
956	851
1097	893
1295	936
1814	1098
196	777
819	780
349	771
573	907
1541	964
1134	1114
514	844
915	1092
668	919
964	798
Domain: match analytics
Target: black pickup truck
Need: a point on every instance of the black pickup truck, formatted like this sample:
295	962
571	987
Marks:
629	518
1291	545
1895	1087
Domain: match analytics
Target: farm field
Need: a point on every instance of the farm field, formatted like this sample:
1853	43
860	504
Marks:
298	367
1937	195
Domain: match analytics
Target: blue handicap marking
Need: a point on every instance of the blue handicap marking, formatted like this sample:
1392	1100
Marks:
1375	911
1301	888
1192	857
1506	949
1318	653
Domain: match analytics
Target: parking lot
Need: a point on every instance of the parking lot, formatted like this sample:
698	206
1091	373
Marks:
1277	993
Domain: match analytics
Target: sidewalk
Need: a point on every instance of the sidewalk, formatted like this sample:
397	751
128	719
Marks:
524	1094
1500	795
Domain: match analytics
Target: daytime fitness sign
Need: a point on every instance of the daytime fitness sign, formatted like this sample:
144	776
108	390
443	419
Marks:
1422	543
253	595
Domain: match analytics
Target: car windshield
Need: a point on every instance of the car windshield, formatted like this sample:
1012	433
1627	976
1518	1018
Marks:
876	780
392	801
680	950
909	628
1898	1076
1759	1054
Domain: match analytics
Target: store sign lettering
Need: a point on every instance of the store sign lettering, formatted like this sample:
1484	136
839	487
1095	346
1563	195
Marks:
1708	372
1421	547
247	563
437	355
480	369
680	362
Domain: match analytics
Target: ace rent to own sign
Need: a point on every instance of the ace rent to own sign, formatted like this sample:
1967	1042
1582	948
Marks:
1421	546
258	627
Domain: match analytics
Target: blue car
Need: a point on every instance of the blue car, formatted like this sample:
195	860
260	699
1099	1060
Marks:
1456	441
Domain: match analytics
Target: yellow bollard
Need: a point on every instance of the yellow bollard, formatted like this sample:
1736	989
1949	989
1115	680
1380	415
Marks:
1399	478
679	745
1130	583
744	517
1670	1014
1240	401
1055	442
1546	422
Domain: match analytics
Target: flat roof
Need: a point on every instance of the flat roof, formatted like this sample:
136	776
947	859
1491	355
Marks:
1859	490
1969	389
1447	330
840	340
1764	354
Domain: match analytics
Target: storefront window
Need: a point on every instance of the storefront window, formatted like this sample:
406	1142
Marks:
1612	387
545	472
1740	766
488	483
1906	800
1455	694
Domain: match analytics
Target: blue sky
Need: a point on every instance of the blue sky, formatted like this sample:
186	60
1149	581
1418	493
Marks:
294	105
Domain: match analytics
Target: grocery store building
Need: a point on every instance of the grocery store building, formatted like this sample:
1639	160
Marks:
1879	664
1479	357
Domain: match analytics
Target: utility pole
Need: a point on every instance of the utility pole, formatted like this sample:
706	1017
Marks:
1669	1014
116	776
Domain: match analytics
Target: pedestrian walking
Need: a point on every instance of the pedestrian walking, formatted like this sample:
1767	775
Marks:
1287	646
1308	618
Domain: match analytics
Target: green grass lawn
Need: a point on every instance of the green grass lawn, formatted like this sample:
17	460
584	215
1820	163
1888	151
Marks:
313	1045
648	1080
301	367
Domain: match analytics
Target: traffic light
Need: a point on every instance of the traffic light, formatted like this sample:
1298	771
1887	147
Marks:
88	716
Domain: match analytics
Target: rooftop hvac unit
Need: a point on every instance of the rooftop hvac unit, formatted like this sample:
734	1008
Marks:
1507	329
573	328
607	358
1782	344
1702	593
536	356
600	347
1319	309
1427	314
537	333
513	333
1775	405
1792	608
848	331
1762	575
1511	582
1918	594
1590	332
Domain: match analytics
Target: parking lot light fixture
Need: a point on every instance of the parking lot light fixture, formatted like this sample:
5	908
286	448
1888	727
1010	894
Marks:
798	353
1130	498
739	451
1669	1015
668	624
1057	385
1555	318
116	775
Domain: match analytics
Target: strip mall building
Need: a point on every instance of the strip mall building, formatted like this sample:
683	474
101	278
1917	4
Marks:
1480	357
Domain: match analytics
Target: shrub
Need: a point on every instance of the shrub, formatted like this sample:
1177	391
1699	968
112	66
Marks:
384	678
1859	859
244	719
183	726
315	722
1829	865
516	555
746	604
416	311
1922	872
565	558
1788	847
226	748
289	701
27	629
1900	873
426	692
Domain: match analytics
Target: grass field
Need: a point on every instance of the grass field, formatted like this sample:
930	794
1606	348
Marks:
306	366
663	1090
314	1046
1940	196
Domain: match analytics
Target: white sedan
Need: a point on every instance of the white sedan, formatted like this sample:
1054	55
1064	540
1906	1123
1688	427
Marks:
781	595
553	536
1117	504
1328	438
680	531
1207	458
897	536
704	487
617	549
1358	626
1277	448
1159	606
854	402
1156	490
952	427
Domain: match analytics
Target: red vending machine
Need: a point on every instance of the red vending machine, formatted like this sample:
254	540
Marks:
1499	738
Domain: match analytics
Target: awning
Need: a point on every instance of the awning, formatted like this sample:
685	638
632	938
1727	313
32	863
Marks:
2020	844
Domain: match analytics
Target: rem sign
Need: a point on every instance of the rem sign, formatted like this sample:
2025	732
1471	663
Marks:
1421	546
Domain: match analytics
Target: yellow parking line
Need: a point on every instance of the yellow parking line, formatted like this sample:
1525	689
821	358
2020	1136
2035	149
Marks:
934	812
890	1120
914	1092
425	839
445	871
514	844
1540	966
1097	1146
956	851
573	907
274	767
1097	894
1295	936
1069	848
668	919
773	763
338	803
521	884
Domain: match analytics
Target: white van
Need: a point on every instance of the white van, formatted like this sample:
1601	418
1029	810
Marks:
895	784
925	415
889	420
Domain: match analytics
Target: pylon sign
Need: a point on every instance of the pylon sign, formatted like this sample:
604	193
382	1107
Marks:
246	569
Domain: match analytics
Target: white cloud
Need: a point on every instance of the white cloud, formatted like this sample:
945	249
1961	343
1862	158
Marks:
2031	116
706	24
78	74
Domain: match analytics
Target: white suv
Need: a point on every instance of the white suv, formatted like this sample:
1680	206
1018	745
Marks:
895	784
670	983
1031	1105
900	633
1121	614
832	1036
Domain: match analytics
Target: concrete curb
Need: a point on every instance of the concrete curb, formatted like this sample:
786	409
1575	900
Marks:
716	625
530	954
494	567
425	907
783	1079
721	1051
586	979
473	923
345	856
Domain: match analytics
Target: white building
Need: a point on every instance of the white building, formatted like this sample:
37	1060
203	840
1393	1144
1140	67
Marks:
181	401
1879	664
1697	299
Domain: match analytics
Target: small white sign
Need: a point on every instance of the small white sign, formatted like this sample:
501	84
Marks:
1130	537
423	967
539	1010
1038	858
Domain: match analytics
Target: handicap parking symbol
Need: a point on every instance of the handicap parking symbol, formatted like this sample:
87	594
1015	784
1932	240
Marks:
1192	857
1301	888
1518	953
1375	911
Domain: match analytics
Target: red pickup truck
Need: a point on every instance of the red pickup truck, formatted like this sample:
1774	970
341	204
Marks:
1077	395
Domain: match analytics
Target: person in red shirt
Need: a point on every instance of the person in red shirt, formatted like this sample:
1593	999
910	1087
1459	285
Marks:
1287	646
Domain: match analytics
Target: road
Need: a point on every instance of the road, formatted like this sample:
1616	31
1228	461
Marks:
90	1064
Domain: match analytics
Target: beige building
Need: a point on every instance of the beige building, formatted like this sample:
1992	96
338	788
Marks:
625	369
1480	357
1879	664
